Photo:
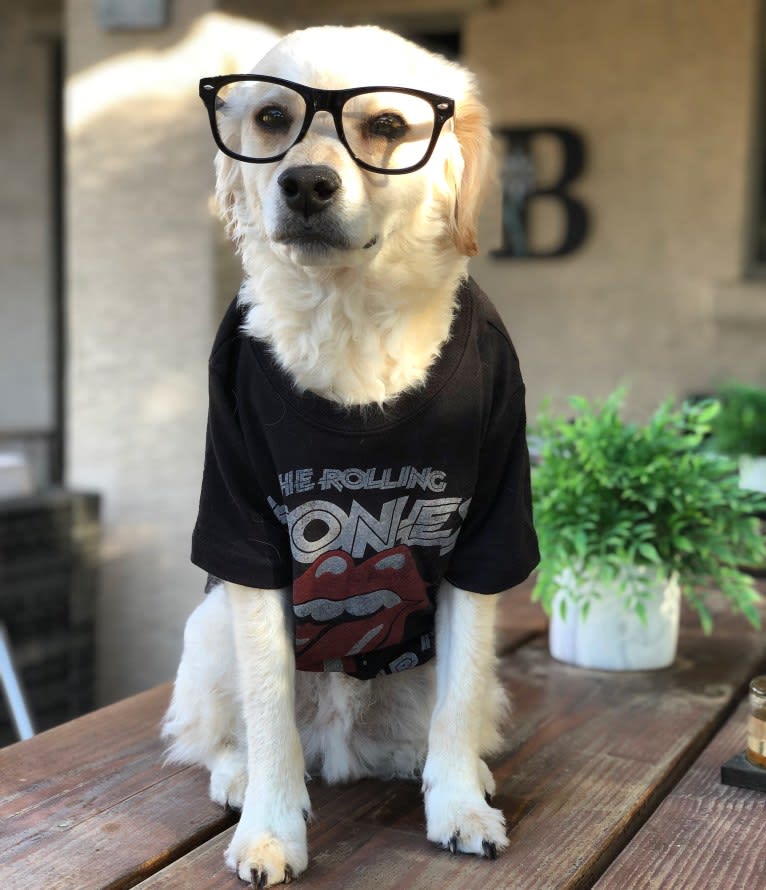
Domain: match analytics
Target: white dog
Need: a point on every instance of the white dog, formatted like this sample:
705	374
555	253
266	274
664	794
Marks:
366	485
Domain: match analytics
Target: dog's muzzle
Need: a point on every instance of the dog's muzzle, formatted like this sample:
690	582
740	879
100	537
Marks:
309	219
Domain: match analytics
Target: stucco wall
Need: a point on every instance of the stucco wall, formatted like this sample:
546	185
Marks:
26	299
142	313
663	94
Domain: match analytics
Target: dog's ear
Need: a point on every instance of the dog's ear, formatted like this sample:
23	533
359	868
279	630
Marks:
228	171
475	140
228	193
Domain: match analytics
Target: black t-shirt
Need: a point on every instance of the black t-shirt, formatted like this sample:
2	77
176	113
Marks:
363	511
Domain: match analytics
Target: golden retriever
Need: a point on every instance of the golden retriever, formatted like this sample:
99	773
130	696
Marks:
350	174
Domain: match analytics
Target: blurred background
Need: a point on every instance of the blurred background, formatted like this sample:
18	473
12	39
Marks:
624	242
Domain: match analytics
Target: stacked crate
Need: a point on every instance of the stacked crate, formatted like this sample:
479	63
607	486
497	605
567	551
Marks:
48	591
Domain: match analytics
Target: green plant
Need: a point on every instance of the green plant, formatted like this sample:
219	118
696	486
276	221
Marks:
740	426
611	497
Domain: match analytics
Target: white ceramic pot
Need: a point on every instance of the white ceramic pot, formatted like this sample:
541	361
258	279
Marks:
612	637
752	473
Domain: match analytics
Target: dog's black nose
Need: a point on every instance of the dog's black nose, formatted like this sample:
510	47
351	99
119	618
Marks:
310	188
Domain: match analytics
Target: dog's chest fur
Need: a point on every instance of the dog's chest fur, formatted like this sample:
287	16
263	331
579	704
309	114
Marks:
348	342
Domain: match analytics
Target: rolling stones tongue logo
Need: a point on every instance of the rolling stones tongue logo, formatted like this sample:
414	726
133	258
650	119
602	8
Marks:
342	610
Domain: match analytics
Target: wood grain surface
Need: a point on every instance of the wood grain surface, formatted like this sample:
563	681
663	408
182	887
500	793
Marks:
704	834
90	805
589	756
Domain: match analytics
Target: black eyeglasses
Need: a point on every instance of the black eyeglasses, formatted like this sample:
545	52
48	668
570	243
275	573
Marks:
384	129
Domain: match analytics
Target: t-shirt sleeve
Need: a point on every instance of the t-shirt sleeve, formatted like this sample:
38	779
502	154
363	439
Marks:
497	546
237	537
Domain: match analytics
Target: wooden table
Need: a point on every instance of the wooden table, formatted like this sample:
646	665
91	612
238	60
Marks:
607	780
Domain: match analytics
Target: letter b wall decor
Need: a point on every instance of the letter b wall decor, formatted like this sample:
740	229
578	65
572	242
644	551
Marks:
521	189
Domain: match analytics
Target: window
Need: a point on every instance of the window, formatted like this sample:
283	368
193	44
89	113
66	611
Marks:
447	43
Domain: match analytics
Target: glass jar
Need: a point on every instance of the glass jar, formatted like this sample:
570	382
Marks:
756	723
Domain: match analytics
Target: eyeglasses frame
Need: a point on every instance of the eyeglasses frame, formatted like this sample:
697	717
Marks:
331	101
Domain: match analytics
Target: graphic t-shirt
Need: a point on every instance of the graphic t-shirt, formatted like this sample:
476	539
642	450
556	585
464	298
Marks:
363	511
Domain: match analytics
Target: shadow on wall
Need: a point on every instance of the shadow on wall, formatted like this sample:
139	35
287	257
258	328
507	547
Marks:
142	314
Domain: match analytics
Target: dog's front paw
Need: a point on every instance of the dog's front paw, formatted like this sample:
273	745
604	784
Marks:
265	855
267	860
460	820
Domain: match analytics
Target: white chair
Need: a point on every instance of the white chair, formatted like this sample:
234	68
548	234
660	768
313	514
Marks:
14	694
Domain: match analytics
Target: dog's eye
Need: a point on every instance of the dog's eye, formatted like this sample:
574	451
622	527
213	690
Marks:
273	118
389	126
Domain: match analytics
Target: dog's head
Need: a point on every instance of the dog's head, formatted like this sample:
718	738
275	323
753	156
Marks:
318	201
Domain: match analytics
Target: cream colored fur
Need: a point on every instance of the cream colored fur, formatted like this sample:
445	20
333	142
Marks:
358	325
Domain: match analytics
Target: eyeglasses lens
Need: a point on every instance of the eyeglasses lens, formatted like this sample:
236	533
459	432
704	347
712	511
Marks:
259	120
390	131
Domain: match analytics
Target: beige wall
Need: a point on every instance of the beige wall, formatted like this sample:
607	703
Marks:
26	296
663	94
142	313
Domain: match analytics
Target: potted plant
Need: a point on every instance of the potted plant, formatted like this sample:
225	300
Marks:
739	429
629	517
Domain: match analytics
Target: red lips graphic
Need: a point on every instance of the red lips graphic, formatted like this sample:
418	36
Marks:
343	610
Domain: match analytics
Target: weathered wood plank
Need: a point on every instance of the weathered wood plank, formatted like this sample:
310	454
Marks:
704	834
589	756
77	752
89	804
347	855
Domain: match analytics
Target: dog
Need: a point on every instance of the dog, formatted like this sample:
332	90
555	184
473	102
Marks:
365	495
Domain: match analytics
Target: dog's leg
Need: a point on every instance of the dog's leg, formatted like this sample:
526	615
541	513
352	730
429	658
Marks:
269	844
203	725
455	779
